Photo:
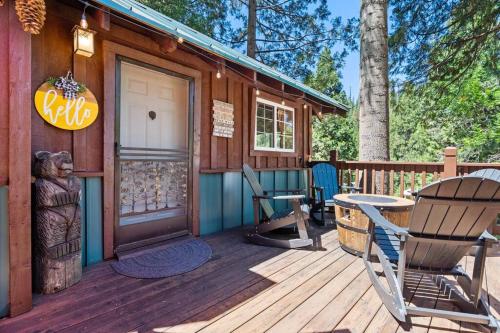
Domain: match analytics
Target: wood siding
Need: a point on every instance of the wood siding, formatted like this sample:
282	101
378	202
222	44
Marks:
4	252
52	55
226	198
15	153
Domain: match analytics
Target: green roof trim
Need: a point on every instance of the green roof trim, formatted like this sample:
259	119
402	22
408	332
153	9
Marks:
156	20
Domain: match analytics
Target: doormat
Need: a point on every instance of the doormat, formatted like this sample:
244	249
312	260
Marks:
179	258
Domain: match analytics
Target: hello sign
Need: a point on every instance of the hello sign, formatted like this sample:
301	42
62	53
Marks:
66	113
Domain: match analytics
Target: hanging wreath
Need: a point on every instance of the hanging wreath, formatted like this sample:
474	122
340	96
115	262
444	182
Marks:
31	14
68	85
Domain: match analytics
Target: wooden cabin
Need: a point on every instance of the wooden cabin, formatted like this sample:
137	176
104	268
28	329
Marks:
161	89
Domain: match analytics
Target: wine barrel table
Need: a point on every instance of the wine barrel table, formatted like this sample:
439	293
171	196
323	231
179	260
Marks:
352	224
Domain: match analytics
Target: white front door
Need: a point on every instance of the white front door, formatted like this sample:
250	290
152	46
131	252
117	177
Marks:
153	153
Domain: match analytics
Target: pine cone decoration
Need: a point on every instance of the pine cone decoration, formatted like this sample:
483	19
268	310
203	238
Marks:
31	13
1	2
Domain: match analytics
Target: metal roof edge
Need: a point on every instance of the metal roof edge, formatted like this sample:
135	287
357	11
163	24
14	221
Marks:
161	22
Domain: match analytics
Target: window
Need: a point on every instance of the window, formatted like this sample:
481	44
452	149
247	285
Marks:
274	127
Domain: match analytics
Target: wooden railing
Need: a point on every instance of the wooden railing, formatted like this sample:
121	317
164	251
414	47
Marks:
400	178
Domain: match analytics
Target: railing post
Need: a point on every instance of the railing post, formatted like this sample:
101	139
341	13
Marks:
450	162
333	161
333	157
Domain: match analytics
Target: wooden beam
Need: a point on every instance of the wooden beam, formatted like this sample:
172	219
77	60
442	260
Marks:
19	197
167	44
293	91
274	84
248	73
102	17
80	136
109	150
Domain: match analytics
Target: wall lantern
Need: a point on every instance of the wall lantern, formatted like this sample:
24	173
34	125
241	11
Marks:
83	38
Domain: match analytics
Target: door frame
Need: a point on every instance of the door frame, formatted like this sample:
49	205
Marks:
112	52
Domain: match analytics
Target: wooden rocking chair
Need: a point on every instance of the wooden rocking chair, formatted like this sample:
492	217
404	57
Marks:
259	232
449	217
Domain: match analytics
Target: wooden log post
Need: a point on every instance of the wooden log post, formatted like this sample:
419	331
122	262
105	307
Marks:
450	162
15	84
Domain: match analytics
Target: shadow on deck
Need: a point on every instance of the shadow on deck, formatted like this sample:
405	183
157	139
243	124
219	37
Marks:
243	288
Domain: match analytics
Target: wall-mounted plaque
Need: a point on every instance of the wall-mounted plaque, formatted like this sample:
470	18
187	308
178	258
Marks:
65	103
223	119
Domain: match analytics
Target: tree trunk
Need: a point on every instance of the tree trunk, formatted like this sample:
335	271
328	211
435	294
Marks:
374	87
251	29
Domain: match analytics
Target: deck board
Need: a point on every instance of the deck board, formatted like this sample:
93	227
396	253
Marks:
244	288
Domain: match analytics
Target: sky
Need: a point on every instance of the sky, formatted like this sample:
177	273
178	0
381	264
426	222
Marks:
350	72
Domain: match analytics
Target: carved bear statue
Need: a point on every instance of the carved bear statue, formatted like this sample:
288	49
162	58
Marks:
57	222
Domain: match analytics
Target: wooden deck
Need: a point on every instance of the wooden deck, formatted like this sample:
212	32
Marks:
244	288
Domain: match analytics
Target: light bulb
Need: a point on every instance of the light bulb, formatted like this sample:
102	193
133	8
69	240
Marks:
283	102
83	22
305	107
218	75
180	40
257	92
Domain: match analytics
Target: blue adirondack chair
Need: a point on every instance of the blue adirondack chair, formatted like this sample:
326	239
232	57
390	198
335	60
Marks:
325	187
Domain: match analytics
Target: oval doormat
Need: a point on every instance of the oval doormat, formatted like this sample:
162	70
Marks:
179	258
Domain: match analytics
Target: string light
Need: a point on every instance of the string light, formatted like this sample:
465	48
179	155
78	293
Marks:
257	92
83	37
305	106
282	102
218	75
83	22
181	40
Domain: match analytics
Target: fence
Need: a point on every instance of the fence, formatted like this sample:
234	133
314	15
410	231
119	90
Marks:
401	178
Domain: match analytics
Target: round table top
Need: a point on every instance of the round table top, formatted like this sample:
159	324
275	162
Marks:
376	200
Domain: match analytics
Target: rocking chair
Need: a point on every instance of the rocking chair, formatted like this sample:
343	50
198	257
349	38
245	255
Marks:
450	216
259	233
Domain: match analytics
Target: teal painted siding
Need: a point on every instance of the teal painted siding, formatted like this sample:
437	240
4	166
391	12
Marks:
210	203
4	253
91	217
83	221
226	198
232	203
248	202
280	183
267	182
292	182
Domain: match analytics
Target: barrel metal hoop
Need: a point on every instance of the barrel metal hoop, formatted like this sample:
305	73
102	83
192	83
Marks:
351	228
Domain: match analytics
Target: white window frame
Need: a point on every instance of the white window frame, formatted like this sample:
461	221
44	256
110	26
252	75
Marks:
275	126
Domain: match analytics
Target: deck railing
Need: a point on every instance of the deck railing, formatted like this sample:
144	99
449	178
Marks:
400	178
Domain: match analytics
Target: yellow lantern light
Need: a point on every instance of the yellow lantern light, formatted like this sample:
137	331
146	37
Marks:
83	39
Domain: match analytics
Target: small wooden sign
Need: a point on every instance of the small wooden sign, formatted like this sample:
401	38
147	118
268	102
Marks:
223	119
68	114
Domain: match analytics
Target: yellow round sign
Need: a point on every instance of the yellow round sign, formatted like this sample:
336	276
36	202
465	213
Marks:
68	114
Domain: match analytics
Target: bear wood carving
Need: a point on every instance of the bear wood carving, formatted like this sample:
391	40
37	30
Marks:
57	248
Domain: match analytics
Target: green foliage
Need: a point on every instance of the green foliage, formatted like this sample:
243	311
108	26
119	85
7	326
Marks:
332	132
466	115
205	16
442	40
